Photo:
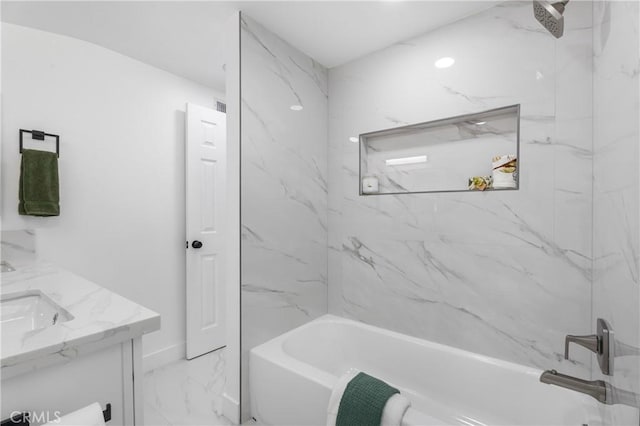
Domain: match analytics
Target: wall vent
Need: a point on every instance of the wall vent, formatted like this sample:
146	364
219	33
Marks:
222	107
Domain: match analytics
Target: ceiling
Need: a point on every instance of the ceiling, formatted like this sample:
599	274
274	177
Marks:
186	38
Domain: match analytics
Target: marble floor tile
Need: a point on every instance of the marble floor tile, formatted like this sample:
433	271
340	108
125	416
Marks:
153	418
186	393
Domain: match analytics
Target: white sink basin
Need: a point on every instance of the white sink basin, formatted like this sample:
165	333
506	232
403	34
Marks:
27	311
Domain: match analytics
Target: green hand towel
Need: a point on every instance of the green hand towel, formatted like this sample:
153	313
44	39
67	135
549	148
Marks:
39	191
363	401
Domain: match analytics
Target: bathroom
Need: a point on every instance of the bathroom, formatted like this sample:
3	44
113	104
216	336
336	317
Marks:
330	238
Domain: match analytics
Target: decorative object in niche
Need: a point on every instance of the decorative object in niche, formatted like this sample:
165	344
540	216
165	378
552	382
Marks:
504	171
480	183
471	152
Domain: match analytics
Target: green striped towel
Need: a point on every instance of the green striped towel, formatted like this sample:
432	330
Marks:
39	192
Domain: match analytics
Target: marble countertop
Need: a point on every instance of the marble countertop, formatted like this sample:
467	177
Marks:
101	318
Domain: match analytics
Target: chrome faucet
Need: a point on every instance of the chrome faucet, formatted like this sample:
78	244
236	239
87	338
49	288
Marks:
598	389
600	343
590	342
595	388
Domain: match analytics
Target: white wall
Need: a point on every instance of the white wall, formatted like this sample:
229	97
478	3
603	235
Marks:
504	273
121	124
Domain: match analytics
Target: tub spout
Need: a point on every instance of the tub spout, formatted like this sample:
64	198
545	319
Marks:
595	388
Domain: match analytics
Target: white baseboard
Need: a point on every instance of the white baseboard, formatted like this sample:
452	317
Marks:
231	408
163	356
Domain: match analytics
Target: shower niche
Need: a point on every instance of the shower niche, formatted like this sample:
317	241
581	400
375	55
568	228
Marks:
468	153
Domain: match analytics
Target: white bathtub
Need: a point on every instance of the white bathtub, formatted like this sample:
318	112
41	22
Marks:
291	377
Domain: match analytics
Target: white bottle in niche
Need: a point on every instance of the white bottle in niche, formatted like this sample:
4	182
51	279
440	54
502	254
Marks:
370	185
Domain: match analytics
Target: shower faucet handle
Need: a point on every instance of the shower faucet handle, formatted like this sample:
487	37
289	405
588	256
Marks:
600	343
590	342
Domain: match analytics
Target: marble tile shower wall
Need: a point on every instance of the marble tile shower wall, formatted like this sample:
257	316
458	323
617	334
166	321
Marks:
506	274
283	189
616	283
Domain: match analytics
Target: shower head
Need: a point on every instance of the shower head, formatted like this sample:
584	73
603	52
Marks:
549	14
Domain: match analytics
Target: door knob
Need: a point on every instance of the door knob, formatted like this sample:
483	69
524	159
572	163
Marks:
196	244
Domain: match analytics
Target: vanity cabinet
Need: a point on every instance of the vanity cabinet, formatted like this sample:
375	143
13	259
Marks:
104	375
66	343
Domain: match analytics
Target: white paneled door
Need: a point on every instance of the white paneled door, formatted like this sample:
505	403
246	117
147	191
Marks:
205	204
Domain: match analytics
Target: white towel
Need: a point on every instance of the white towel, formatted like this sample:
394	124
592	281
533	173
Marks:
90	415
336	395
394	409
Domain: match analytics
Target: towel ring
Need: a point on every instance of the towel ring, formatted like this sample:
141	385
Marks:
39	135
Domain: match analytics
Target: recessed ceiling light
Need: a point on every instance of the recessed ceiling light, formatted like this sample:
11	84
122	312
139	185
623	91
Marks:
445	62
480	123
353	139
296	107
